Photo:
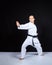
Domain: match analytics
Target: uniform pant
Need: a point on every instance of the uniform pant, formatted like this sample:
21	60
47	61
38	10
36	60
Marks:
27	42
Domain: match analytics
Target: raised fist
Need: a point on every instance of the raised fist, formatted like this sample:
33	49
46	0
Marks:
17	23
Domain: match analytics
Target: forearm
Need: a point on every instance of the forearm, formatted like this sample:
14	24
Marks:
22	27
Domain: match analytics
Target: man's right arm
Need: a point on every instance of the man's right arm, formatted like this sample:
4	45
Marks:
23	26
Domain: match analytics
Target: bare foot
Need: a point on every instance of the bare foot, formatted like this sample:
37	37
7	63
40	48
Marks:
41	54
21	58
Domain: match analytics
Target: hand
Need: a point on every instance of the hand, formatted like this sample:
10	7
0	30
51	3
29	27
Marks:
17	23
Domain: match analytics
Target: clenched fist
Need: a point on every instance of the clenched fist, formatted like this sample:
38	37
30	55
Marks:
17	23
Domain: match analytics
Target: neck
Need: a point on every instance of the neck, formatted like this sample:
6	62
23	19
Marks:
32	22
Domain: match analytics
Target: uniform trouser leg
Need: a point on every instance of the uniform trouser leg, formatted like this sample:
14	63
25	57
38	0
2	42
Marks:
24	45
38	46
27	42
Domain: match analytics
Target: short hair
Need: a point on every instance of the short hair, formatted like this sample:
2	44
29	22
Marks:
32	15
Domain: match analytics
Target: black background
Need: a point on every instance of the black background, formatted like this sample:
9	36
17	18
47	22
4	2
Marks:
11	38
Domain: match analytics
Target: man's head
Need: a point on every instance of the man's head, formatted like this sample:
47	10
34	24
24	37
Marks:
31	18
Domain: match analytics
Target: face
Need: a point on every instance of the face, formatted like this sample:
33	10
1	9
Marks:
31	18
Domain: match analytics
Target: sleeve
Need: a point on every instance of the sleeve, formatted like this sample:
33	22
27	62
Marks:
24	26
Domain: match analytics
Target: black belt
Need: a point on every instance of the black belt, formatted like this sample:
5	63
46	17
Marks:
32	38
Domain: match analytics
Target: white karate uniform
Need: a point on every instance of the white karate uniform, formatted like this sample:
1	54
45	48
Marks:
32	30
